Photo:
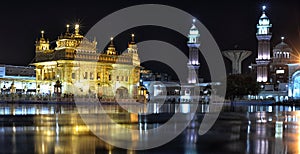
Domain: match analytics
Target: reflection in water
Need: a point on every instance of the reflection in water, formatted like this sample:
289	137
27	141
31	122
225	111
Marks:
60	129
37	109
275	132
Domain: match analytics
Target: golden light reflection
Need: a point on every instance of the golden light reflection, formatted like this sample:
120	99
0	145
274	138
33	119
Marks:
49	132
43	148
134	117
130	152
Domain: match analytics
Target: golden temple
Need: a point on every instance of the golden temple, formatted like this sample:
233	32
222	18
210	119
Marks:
81	69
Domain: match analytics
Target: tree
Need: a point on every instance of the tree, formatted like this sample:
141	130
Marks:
239	85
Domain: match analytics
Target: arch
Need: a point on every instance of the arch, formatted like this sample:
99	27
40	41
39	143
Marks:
295	85
122	92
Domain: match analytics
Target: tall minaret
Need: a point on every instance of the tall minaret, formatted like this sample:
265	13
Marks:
263	36
193	63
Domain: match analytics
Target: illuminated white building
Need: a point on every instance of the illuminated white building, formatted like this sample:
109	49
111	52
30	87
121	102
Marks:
263	36
276	72
193	63
294	79
278	66
280	71
17	79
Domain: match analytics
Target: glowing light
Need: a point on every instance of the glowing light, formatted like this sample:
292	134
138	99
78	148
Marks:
265	79
76	29
67	30
77	26
194	20
14	129
42	32
282	38
264	7
259	79
279	71
111	38
132	37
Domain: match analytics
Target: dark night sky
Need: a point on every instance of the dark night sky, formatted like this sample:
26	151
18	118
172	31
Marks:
230	22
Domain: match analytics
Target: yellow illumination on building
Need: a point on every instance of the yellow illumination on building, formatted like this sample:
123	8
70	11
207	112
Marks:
77	29
80	68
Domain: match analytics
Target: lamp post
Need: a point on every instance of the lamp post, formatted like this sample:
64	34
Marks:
141	82
50	90
25	89
142	91
57	89
4	89
38	89
12	88
99	94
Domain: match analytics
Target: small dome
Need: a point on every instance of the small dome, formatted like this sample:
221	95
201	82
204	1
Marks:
264	20
282	46
194	30
264	16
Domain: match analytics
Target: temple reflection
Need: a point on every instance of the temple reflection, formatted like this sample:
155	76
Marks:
60	129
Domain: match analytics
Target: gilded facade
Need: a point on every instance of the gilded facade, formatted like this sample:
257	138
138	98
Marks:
82	70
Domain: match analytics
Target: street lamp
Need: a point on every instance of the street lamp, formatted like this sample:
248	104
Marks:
12	88
141	81
38	89
57	87
50	89
25	89
142	92
99	95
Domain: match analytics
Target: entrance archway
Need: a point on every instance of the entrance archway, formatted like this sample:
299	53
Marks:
295	86
122	92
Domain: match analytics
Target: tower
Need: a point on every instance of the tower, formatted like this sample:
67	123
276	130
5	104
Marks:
132	50
237	57
132	47
111	49
193	63
263	36
42	44
279	68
